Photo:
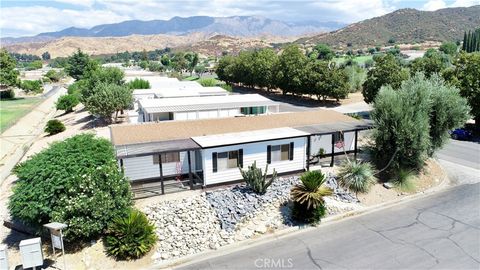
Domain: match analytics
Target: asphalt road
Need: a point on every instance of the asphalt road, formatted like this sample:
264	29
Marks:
441	231
461	159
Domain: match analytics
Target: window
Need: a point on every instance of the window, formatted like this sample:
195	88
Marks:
167	157
227	160
280	152
253	110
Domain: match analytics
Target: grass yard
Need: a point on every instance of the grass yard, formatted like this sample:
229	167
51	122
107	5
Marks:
359	59
13	109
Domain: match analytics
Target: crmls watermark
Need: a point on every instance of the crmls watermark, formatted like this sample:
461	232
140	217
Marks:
277	263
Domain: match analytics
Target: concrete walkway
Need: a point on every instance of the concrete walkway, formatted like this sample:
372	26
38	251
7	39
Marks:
16	140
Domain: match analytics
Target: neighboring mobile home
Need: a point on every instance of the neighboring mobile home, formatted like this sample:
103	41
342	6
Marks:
192	108
198	153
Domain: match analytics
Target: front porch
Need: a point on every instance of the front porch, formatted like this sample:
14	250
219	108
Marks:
158	186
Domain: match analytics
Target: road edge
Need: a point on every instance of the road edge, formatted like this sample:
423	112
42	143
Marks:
255	241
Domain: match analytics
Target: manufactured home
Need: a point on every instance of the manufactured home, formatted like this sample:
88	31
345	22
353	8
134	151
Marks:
175	92
192	108
169	156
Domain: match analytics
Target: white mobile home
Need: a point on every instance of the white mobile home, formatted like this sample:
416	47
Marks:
192	108
208	152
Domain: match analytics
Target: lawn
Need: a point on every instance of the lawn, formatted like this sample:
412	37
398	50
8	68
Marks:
359	59
13	109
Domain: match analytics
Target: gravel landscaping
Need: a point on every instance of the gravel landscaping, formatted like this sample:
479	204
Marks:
220	217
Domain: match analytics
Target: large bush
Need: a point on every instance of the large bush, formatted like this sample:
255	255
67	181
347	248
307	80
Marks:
67	102
54	126
75	181
207	82
109	98
34	86
412	122
130	237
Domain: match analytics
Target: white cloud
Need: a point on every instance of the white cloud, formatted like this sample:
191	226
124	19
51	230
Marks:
46	19
434	5
83	3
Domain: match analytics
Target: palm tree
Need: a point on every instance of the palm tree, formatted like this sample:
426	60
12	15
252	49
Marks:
311	191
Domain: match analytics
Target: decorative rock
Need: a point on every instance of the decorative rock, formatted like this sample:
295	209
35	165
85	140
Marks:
261	229
388	185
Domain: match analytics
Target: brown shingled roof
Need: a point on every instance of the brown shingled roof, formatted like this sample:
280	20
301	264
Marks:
172	130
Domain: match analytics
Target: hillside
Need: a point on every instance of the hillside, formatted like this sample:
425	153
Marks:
404	26
197	42
243	26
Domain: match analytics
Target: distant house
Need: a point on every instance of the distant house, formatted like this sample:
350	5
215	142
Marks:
203	107
179	91
169	156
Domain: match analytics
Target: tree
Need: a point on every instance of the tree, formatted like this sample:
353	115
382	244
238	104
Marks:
265	61
75	181
199	70
466	76
46	56
449	48
34	65
290	70
78	64
192	62
413	121
8	73
323	80
225	67
165	60
324	52
432	62
109	98
139	83
67	102
96	76
449	110
386	71
30	86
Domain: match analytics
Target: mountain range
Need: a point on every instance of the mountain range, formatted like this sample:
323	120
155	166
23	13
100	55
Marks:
240	26
403	26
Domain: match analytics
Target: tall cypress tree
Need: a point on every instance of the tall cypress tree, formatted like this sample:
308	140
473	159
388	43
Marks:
464	45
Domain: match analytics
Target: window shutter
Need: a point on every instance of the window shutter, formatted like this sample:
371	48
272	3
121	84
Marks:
240	158
214	161
269	154
291	151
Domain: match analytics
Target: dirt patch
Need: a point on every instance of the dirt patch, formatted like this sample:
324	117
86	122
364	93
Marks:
431	176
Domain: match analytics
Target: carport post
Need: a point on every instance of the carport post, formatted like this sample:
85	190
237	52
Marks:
356	142
161	172
190	170
308	153
333	150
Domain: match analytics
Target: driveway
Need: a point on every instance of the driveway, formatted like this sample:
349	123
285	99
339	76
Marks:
441	231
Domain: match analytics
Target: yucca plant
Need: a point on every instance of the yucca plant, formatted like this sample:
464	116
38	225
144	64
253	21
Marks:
130	237
356	176
257	180
308	202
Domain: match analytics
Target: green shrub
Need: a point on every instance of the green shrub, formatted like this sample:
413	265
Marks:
34	86
357	176
207	82
257	180
75	181
67	102
54	126
227	87
308	196
7	94
138	83
54	76
404	180
34	65
130	237
302	214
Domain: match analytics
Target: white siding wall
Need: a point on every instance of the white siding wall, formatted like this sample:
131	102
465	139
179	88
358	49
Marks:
206	114
325	142
138	168
254	152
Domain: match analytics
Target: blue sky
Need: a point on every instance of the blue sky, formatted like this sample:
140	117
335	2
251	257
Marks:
25	18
